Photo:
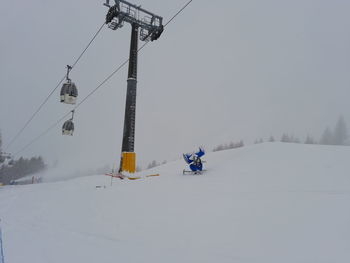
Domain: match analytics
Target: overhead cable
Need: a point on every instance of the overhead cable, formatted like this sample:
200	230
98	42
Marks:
94	90
50	94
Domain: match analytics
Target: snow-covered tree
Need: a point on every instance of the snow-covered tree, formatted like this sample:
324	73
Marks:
309	140
240	144
231	145
340	133
152	164
294	139
327	137
285	138
220	147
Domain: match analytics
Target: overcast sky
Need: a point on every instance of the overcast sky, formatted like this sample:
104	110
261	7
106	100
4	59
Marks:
222	71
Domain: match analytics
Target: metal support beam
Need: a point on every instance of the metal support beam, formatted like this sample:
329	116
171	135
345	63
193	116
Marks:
151	27
130	105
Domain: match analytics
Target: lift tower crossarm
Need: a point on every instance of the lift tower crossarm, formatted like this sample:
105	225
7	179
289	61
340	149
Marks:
151	25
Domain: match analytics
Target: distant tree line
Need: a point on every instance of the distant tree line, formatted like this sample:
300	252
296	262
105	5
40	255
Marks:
220	147
336	136
21	168
15	169
154	163
231	145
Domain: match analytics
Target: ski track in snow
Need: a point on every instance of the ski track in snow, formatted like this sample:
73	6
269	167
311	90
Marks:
266	203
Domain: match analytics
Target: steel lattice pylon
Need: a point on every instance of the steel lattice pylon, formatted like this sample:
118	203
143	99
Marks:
148	27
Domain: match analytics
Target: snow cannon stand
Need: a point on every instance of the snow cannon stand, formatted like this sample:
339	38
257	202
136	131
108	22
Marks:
188	172
194	162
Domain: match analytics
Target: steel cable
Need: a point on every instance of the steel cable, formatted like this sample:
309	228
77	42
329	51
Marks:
99	86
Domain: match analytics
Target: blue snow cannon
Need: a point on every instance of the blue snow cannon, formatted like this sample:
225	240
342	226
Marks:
194	161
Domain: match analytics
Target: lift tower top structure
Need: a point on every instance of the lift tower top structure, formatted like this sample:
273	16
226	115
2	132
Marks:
151	27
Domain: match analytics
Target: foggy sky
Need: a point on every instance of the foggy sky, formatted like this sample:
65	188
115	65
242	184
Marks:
222	71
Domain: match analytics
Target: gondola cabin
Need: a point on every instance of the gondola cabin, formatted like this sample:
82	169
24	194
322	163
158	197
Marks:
68	128
69	93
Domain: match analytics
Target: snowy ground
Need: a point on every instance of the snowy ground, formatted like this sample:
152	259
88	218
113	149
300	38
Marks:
267	203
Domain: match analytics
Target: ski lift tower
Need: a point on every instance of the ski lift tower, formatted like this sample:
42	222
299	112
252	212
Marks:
151	28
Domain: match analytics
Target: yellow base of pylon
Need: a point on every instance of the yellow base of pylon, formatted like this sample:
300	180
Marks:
128	162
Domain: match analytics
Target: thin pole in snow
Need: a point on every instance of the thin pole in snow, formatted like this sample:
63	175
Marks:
2	260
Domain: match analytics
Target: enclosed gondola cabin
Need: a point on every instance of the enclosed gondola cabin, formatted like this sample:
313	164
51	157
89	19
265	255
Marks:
69	93
68	128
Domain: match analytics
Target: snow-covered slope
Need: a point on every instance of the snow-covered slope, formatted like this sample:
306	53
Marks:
267	203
